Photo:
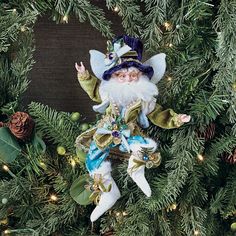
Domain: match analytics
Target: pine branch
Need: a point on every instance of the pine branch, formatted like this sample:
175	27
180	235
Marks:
130	13
11	24
184	151
55	125
193	220
207	107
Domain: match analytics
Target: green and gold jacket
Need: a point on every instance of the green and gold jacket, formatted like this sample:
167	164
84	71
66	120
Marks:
166	119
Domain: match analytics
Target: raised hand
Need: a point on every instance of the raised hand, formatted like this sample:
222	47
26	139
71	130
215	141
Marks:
183	118
80	68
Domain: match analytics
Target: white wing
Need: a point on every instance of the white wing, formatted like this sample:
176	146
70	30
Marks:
158	63
97	63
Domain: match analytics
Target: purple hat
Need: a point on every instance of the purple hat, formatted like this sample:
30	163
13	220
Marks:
125	52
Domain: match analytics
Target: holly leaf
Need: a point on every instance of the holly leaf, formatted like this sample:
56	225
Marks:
78	191
9	147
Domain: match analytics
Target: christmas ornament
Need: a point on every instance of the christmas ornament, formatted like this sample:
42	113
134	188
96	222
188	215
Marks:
21	125
4	201
75	116
234	86
84	126
178	26
230	157
61	150
126	91
233	226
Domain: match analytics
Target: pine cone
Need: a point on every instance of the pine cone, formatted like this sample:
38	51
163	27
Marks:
230	157
208	133
21	125
108	233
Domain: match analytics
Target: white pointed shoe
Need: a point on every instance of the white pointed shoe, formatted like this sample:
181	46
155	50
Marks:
107	199
137	175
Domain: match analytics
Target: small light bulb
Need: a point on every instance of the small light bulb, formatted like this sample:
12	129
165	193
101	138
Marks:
174	206
124	213
118	213
167	25
22	29
7	231
14	10
170	45
200	157
196	232
116	9
73	163
169	78
65	18
5	167
53	197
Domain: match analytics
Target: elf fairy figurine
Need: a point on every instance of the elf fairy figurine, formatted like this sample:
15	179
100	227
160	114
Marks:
126	91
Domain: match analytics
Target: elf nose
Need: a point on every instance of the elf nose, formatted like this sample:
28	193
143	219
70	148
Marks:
127	78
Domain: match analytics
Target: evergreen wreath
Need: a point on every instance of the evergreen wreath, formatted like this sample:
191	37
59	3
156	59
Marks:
194	188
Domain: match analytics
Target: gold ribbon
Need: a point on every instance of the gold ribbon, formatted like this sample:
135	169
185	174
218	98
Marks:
98	187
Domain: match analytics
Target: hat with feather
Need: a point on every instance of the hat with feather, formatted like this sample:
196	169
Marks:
124	52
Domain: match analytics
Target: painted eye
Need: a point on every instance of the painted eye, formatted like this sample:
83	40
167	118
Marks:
133	75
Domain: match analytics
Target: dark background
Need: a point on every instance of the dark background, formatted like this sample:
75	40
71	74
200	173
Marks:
58	47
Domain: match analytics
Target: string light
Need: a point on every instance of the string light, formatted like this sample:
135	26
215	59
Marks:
53	197
168	25
196	232
124	213
72	162
173	206
118	213
169	78
42	164
170	45
14	10
5	167
200	157
7	231
116	9
22	28
65	18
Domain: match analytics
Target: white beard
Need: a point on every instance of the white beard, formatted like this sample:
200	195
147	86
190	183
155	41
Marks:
126	93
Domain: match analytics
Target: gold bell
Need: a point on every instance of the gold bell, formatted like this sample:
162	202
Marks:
149	164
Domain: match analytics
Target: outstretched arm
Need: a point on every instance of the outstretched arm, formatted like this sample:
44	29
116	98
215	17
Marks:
89	83
167	119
